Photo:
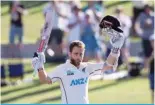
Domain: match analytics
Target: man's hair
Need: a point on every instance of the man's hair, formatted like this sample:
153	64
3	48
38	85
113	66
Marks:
76	43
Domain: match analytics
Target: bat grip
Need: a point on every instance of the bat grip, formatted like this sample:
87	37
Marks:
41	46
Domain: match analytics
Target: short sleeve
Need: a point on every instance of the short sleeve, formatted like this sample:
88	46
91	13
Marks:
94	67
55	75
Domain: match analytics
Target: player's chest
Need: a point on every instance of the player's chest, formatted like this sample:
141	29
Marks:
75	77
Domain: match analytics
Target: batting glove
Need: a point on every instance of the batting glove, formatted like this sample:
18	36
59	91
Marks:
116	39
38	61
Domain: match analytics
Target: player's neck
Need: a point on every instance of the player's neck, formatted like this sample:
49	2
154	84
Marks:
77	66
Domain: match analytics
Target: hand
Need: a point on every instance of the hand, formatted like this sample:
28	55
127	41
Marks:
38	61
116	39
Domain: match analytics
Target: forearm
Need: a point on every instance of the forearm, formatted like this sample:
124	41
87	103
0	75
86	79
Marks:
22	11
138	29
19	9
97	17
43	77
112	60
117	39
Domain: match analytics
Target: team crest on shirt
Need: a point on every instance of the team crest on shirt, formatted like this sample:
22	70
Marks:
84	70
69	72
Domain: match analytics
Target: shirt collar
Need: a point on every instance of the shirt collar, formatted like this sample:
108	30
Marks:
69	62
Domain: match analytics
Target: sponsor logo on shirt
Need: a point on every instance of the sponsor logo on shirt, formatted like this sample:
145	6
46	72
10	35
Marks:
69	72
79	81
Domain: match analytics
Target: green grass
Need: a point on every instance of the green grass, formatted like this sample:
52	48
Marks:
123	92
134	90
101	91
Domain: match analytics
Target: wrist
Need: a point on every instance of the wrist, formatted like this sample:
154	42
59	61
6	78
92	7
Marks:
40	69
115	51
112	60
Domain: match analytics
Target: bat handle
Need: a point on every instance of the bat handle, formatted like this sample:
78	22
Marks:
41	46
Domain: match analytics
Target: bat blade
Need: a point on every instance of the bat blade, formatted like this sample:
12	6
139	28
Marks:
45	35
46	31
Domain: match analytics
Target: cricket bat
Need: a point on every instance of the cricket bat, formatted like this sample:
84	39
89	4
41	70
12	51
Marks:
45	34
46	31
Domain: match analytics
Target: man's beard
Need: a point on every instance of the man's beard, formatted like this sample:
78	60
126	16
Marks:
74	62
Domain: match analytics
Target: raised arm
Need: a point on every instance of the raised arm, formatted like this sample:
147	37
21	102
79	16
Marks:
43	77
38	66
110	26
111	61
116	39
39	57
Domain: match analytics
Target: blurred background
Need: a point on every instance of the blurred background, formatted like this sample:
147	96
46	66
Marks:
21	24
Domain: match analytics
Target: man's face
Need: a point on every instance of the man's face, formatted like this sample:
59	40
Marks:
76	11
76	56
147	10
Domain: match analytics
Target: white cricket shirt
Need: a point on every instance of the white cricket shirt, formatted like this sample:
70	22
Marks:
74	81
